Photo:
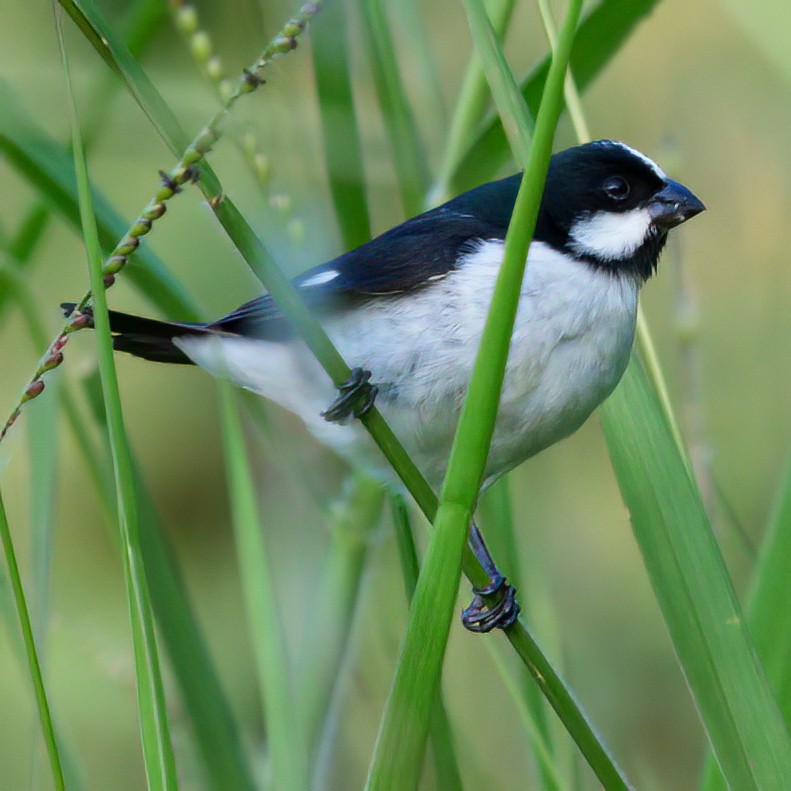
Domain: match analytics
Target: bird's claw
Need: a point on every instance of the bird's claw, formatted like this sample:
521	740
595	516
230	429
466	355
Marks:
355	398
482	615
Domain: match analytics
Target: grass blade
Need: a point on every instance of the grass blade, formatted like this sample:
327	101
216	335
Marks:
443	749
408	152
23	616
342	146
769	614
352	521
399	748
44	448
117	56
471	105
693	589
496	521
218	738
768	610
286	741
210	714
157	748
512	108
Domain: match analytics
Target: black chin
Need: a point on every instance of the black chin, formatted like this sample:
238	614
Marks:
642	263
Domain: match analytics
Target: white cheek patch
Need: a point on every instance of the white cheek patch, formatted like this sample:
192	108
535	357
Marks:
610	236
320	279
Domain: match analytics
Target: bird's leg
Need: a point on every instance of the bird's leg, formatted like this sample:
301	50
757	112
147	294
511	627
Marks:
355	397
493	606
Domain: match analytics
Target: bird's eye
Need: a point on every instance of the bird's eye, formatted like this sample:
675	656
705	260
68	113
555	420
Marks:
616	188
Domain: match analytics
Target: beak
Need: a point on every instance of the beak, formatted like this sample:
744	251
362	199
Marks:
673	205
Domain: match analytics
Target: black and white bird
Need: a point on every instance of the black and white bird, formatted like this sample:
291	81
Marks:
408	308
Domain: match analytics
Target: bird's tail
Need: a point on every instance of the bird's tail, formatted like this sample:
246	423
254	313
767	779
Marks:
146	338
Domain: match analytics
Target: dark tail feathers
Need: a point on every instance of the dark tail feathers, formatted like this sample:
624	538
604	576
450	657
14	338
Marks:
146	338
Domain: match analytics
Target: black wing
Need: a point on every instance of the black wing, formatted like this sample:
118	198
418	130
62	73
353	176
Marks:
409	256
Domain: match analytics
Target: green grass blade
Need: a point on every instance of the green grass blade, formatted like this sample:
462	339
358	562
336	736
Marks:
694	591
769	614
417	45
342	147
116	54
144	19
285	736
334	604
496	521
210	714
471	105
23	616
443	748
399	748
768	611
44	449
601	34
157	747
513	111
408	152
218	738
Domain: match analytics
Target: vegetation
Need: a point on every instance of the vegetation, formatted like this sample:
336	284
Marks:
266	622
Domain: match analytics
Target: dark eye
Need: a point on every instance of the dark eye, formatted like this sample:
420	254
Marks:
616	187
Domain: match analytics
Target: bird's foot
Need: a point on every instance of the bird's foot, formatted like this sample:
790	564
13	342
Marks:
482	615
356	396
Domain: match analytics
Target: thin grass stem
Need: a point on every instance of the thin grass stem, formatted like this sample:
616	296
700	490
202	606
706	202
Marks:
286	736
442	742
157	748
34	668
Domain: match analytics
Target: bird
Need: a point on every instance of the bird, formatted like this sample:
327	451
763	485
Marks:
407	308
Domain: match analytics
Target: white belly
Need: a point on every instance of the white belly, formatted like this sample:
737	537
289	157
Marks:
570	346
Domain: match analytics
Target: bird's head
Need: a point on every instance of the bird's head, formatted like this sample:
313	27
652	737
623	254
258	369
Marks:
611	206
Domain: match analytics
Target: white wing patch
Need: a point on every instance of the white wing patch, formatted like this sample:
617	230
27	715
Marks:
610	235
320	278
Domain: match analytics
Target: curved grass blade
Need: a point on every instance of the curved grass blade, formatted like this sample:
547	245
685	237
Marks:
496	521
443	748
769	615
117	56
408	152
693	589
352	521
23	616
213	724
512	109
285	736
157	748
470	107
342	147
398	753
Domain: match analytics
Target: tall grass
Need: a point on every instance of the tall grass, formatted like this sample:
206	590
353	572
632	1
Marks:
300	681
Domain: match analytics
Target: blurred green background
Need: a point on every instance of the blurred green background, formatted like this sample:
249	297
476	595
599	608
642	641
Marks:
703	88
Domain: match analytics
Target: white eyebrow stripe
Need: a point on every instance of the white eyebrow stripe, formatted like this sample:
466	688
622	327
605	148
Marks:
650	162
320	278
610	235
